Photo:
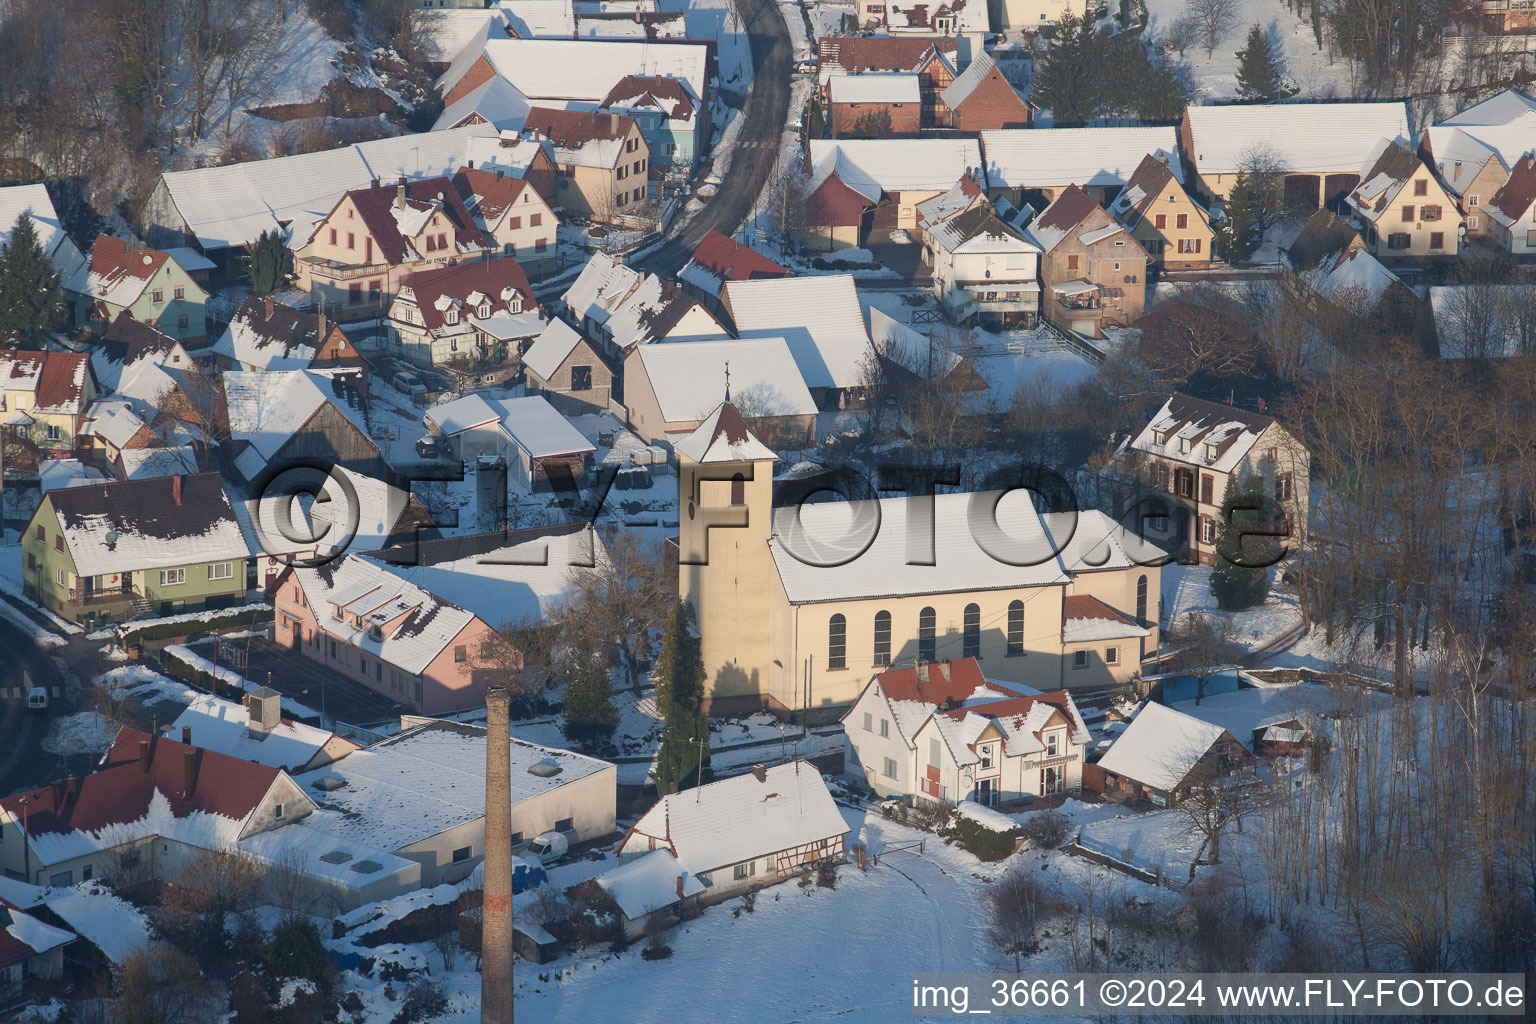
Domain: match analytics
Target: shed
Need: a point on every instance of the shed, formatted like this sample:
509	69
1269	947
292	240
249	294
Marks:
533	943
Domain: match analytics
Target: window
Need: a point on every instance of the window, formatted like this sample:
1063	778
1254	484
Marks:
1052	744
451	316
869	722
1210	451
1207	488
1207	530
1472	223
1154	246
42	534
1160	221
58	542
535	219
1015	628
890	768
31	561
351	240
739	492
563	825
277	810
461	854
157	295
885	727
375	291
59	577
933	752
442	240
1283	487
985	753
1185	444
541	245
1111	655
63	878
1437	240
1421	188
1141	598
510	249
1181	221
172	577
431	244
178	292
1159	437
1186	482
221	571
1429	213
744	871
1408	215
514	222
182	322
54	432
1189	245
1472	200
460	654
926	623
837	642
971	639
581	380
1530	237
355	293
333	236
639	194
1072	262
1079	659
1401	240
882	638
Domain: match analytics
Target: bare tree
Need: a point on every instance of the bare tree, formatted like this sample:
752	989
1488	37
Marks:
1016	907
617	605
289	887
447	946
159	984
213	888
1206	646
1181	34
1217	800
1214	19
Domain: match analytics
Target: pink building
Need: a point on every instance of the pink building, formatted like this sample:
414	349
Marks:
365	623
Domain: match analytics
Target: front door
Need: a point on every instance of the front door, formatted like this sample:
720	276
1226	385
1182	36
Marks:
986	792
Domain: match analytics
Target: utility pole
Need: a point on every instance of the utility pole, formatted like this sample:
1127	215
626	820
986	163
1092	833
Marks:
26	843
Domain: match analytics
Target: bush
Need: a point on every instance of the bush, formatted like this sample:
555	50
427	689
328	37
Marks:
424	1000
985	843
297	952
1047	830
195	627
826	875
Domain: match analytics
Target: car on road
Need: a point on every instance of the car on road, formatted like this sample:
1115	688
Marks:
409	384
429	447
37	698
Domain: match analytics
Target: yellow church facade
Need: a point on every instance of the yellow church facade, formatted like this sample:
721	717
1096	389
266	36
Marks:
798	607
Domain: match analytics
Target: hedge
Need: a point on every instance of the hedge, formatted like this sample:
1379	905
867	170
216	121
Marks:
985	843
190	627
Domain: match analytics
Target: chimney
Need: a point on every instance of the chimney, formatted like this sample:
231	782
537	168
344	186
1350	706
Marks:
144	756
613	122
679	886
186	735
264	706
320	322
471	165
759	773
496	920
400	196
374	183
499	173
188	772
176	488
268	304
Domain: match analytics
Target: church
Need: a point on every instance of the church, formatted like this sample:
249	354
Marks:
798	607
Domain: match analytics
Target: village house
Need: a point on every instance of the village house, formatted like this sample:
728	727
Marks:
668	115
564	368
513	214
965	21
719	259
357	254
1164	753
1474	151
1321	148
46	398
113	427
125	343
649	891
792	582
1192	449
670	389
928	57
495	102
603	162
29	948
1099	645
362	621
876	105
983	269
539	447
33	201
821	319
1405	212
120	276
907	357
618	308
1093	271
420	795
124	549
890	177
740	834
240	730
442	34
1174	230
284	418
1030	15
153	806
981	99
1512	209
472	320
1330	269
1509	16
1033	168
943	732
268	335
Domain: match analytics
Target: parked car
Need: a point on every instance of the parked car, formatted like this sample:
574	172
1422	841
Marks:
429	447
37	698
409	384
549	847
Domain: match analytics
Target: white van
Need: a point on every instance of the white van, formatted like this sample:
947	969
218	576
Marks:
549	847
37	698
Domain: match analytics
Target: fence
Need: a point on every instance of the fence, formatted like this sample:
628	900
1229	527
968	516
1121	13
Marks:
1076	849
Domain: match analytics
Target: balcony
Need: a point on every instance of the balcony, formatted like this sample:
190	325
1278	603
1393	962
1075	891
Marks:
103	598
331	270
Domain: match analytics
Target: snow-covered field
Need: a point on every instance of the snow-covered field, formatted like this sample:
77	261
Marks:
1215	76
86	732
1187	588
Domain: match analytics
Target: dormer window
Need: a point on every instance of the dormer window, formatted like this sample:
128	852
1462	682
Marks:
1052	743
485	310
1210	451
1159	437
452	316
515	304
1184	444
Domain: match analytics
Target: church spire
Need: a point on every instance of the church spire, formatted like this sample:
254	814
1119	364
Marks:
727	380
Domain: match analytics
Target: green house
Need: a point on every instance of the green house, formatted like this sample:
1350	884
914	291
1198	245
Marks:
111	552
151	285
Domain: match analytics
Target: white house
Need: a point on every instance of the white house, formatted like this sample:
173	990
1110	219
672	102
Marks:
1163	752
247	732
528	434
983	268
746	832
942	731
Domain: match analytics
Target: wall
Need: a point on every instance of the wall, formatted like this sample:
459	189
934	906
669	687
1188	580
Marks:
1488	181
867	749
524	238
1420	232
905	117
1197	228
993	104
557	387
1117	588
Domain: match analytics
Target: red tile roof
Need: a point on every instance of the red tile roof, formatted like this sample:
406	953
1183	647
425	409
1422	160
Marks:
934	683
63	381
836	204
497	192
666	94
729	260
376	206
571	129
1085	607
117	258
1069	209
879	53
1519	192
120	790
12	950
1017	708
489	277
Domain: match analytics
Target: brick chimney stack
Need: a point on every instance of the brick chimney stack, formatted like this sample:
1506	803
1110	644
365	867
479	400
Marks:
268	304
144	756
176	488
186	735
496	927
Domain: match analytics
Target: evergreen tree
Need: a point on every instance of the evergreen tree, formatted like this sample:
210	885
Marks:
682	760
1069	75
1238	234
269	264
589	711
1259	78
1240	578
32	304
1165	91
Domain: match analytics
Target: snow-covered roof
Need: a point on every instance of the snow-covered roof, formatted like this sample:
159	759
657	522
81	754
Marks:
267	407
224	727
648	882
962	195
819	317
906	347
872	166
146	463
556	342
136	525
402	624
983	815
633	309
979	230
741	818
1500	108
958	91
1160	747
1204	425
588	69
442	33
681	373
1056	157
461	414
266	335
429	779
539	429
55	473
546	19
1353	273
724	436
1306	138
1086	619
879	87
33	200
496	101
101	917
23	936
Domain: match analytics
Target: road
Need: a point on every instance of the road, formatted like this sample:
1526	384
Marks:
766	112
23	762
